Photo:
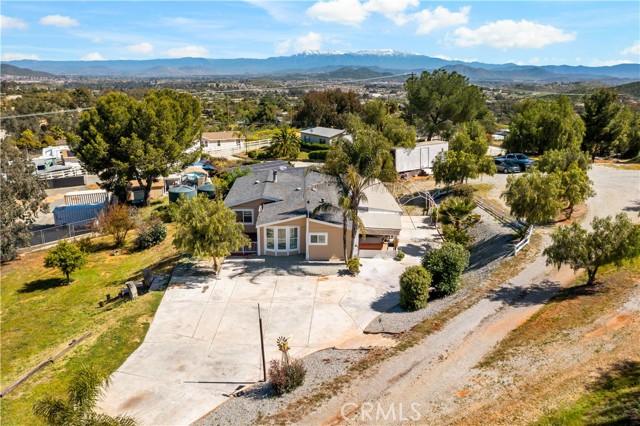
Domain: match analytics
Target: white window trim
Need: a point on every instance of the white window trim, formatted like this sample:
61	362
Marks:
275	249
253	219
326	238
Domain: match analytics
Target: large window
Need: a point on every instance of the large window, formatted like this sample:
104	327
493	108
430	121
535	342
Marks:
283	238
244	216
318	238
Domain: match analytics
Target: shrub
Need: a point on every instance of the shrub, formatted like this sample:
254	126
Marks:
463	190
67	257
117	220
458	236
308	146
414	288
150	233
286	376
446	265
318	155
399	255
354	265
84	244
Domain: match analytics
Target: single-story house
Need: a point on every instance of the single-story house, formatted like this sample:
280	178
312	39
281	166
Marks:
276	207
324	135
220	141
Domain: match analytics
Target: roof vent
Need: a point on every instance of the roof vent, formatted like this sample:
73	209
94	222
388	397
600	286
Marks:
313	189
257	181
298	189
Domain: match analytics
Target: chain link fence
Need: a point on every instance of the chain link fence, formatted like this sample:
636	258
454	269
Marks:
55	233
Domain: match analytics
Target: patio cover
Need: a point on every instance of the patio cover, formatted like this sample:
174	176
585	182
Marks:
379	223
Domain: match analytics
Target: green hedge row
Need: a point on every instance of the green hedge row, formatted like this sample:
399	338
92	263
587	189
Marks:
318	155
307	146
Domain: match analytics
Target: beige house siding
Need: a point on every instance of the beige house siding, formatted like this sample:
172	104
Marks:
334	248
252	205
301	223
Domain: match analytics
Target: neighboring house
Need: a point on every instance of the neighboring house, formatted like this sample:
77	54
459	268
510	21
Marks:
324	135
500	135
221	141
276	207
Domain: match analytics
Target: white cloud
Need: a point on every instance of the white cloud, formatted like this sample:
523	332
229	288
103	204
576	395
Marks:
310	41
348	12
59	21
634	49
7	22
17	56
440	17
93	56
188	51
141	48
506	34
392	9
609	62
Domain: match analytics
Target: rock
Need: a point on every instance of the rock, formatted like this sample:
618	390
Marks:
147	277
133	289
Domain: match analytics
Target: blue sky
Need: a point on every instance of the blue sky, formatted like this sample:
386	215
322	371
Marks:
559	32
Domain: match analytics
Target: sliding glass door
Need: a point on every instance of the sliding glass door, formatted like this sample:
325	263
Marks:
283	239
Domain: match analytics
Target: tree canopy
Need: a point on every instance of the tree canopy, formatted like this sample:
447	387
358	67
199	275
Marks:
123	139
67	257
541	125
327	108
610	241
534	197
285	144
606	121
22	199
439	100
208	229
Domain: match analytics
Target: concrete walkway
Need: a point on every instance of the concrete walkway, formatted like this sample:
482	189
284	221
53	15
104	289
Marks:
204	341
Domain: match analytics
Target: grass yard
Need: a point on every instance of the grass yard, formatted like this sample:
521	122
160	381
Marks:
40	316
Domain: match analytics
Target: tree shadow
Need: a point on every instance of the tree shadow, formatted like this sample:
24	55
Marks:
42	284
386	301
488	250
623	407
634	208
529	296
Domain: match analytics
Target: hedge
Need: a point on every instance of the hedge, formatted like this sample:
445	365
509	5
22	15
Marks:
308	146
318	155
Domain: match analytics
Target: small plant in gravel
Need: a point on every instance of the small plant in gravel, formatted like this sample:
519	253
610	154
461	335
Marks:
414	288
446	265
288	373
399	255
354	265
150	233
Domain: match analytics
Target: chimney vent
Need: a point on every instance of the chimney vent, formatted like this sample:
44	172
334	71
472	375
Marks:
275	176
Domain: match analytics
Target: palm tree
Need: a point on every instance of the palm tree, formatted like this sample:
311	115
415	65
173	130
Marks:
285	144
458	212
78	408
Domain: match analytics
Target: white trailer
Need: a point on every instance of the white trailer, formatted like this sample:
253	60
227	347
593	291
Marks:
419	158
91	196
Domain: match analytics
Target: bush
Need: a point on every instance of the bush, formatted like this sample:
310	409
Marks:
318	155
286	376
446	265
117	220
354	265
458	236
414	288
84	244
308	146
399	255
463	190
150	233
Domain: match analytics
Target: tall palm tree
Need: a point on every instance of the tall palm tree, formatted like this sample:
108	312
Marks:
78	408
285	144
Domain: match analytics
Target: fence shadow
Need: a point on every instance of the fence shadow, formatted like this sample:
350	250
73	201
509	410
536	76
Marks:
488	250
42	284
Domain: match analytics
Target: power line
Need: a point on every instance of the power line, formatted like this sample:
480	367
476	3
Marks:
301	86
37	114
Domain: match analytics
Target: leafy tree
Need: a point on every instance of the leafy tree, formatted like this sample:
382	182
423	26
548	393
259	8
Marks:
358	164
285	144
327	108
541	125
207	228
67	257
466	157
22	198
123	139
605	122
534	197
561	159
28	141
610	241
456	214
576	187
397	132
57	132
629	147
150	233
78	407
440	100
117	220
48	141
446	265
374	112
414	288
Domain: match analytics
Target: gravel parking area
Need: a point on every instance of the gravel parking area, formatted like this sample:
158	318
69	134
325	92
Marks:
258	401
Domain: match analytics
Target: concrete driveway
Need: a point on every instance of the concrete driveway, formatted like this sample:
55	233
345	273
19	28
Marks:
204	341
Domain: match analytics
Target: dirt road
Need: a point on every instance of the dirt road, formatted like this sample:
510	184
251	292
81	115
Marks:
426	383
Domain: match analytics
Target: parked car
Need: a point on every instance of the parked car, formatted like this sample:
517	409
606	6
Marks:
504	166
520	160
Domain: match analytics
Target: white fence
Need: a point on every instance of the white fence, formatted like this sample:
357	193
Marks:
243	147
522	244
76	171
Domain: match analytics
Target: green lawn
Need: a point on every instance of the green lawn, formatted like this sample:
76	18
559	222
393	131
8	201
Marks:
40	316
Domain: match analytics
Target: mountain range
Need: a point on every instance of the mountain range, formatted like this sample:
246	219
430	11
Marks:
314	62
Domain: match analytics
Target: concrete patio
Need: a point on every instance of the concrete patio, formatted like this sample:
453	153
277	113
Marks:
204	341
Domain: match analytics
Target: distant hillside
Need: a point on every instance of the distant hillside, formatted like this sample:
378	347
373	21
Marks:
631	89
364	64
356	73
8	69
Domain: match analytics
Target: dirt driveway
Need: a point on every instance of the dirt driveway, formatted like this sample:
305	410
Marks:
204	341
